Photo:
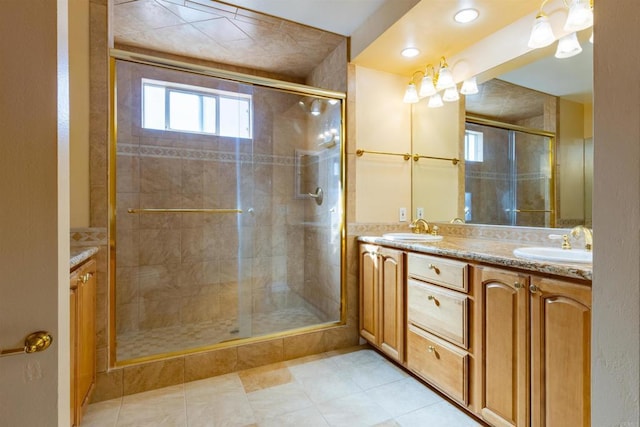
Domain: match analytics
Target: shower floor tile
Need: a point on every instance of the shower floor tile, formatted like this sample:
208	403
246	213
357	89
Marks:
301	395
180	337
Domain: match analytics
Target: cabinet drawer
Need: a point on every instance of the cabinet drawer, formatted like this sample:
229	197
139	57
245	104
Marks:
438	362
438	310
441	271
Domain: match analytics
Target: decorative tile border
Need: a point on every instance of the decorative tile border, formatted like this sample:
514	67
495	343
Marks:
96	236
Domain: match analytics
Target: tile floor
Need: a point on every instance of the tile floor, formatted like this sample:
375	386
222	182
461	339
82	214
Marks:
355	387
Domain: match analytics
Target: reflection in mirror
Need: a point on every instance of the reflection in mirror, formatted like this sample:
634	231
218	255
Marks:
540	99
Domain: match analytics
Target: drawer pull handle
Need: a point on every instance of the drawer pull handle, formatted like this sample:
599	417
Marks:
533	289
518	285
434	268
434	299
431	349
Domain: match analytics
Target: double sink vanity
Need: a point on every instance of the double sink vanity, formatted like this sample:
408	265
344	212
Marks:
503	329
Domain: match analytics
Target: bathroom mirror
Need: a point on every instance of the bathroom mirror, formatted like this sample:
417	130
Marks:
548	186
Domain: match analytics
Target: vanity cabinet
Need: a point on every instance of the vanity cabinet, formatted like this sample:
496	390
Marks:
382	299
536	349
83	334
438	308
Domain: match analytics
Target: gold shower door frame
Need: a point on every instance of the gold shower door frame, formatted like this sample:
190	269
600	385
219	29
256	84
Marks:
294	88
479	120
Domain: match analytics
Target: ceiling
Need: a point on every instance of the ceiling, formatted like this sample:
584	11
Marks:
218	30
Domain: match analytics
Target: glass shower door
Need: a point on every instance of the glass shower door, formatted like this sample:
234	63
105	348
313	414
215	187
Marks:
508	177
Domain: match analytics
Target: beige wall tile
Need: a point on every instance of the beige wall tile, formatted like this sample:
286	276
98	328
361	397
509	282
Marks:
210	364
109	385
303	345
259	354
154	375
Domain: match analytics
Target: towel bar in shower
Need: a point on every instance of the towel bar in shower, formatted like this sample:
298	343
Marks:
178	210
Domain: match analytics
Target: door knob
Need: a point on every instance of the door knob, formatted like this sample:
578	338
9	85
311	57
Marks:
33	343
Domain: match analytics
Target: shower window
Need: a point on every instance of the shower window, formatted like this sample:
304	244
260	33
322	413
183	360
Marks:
185	108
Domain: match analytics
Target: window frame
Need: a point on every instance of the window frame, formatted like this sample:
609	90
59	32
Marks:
201	93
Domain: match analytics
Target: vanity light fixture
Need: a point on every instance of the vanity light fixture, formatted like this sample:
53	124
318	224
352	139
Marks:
568	46
579	17
464	16
434	81
410	52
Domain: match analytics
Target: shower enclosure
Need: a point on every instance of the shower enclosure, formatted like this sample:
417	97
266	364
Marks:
228	207
509	176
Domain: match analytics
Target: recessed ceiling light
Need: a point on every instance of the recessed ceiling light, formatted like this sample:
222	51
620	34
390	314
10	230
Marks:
466	15
410	52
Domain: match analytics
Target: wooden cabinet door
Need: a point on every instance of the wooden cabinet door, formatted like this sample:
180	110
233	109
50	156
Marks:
369	277
391	303
561	348
73	328
86	359
503	315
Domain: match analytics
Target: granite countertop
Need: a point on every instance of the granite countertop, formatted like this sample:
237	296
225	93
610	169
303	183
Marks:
80	254
487	251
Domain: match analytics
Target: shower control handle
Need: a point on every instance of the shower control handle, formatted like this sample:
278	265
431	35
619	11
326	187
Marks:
318	195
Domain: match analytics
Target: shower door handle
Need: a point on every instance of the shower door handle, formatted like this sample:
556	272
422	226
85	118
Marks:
318	195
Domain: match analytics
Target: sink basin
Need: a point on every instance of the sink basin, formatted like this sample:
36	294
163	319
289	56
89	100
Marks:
554	254
411	237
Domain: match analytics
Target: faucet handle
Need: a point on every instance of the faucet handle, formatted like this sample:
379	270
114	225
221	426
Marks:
564	237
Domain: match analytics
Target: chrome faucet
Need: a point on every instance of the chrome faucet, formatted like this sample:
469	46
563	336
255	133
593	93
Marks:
588	235
420	226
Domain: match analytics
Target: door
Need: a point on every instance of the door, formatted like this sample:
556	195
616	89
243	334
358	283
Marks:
369	277
509	176
34	226
561	353
505	384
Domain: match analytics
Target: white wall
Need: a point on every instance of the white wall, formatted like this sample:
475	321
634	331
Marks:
383	123
34	213
616	216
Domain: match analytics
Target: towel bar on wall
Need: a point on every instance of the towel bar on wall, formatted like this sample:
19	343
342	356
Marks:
212	211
